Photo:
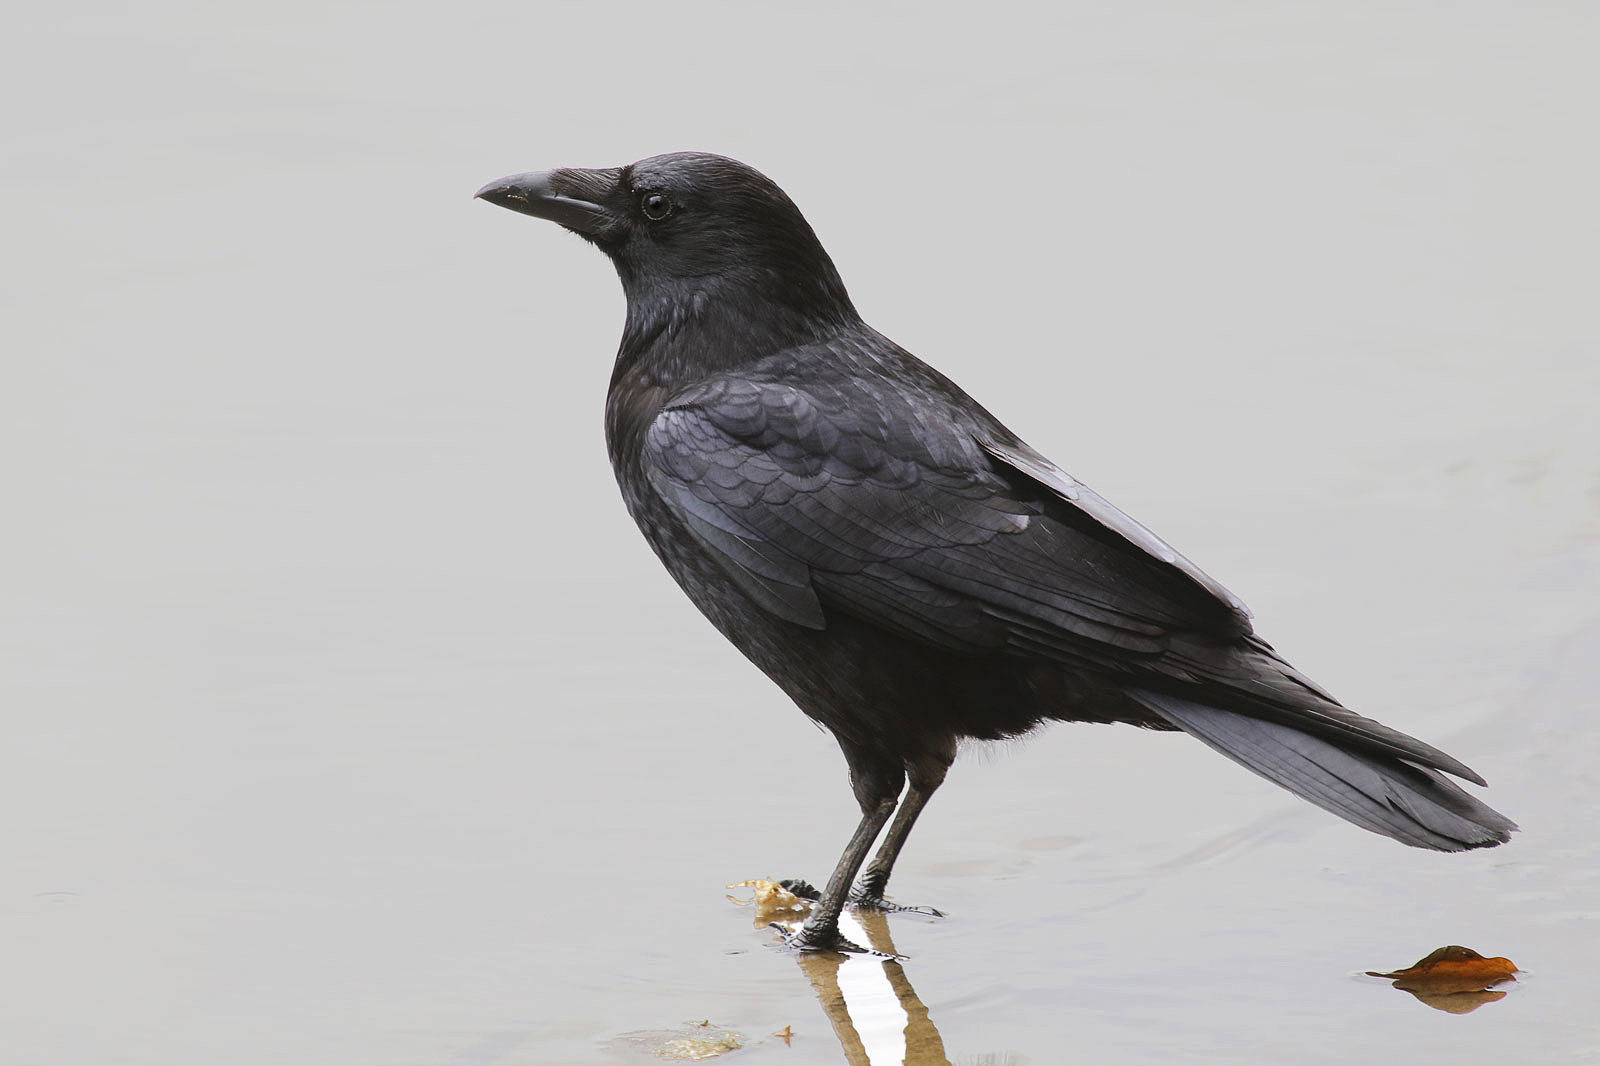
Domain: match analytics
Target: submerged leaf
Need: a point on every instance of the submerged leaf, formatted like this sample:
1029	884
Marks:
694	1049
695	1042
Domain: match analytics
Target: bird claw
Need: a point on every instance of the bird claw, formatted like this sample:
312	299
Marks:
872	901
861	897
825	938
804	889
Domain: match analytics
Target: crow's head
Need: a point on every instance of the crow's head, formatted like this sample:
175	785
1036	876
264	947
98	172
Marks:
685	227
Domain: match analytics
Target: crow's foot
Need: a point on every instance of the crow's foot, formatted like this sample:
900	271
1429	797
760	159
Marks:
825	938
804	889
873	901
869	897
819	938
813	936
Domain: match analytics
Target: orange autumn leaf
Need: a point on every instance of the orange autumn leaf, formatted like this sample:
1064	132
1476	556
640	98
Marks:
1455	963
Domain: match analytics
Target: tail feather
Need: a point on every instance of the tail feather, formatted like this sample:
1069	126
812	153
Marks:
1390	796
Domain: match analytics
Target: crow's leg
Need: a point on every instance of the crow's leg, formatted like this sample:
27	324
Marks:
926	776
821	930
877	783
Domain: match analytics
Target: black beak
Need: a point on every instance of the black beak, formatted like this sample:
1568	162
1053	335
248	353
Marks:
571	198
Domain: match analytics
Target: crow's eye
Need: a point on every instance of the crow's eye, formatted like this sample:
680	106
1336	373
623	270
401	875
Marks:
655	206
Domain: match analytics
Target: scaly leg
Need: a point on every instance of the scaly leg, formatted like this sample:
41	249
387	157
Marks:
821	930
925	780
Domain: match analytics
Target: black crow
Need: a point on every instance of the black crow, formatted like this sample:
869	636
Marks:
901	564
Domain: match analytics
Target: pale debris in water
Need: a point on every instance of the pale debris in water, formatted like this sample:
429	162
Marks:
695	1042
771	898
692	1049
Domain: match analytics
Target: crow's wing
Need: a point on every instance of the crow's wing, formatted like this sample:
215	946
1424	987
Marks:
1093	505
913	514
897	508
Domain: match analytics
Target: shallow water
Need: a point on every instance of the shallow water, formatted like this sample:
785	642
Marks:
348	721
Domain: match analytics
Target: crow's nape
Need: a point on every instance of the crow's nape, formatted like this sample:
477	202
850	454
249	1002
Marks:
1382	793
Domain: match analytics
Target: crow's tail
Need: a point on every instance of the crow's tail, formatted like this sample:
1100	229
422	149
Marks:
1381	792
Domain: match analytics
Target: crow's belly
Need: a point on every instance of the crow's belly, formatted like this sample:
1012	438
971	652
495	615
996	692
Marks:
879	690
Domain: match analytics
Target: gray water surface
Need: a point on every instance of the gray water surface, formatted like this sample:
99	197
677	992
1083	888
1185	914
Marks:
348	721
